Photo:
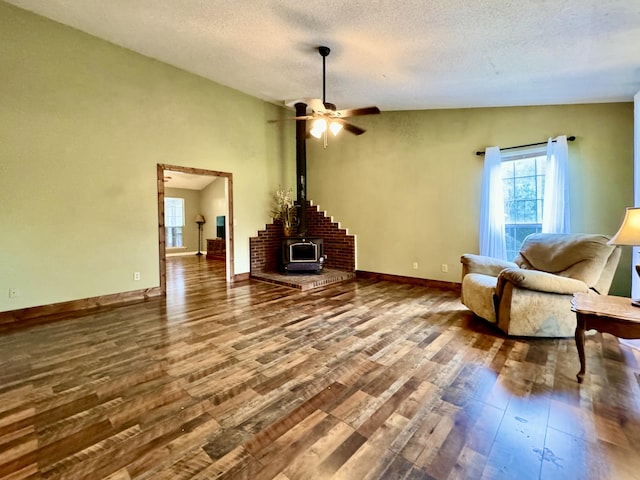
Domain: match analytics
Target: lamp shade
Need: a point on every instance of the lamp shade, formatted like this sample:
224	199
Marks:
319	127
335	127
629	232
200	219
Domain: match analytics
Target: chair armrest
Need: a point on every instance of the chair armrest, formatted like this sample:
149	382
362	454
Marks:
540	281
482	264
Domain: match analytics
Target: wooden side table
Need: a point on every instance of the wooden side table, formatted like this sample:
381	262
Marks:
216	248
607	314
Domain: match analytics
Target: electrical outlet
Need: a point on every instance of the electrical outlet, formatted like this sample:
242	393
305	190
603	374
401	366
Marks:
14	292
415	265
445	267
136	275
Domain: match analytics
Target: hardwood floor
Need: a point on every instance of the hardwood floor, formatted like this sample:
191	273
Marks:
362	380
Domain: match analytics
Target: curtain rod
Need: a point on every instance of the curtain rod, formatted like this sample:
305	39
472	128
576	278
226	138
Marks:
569	139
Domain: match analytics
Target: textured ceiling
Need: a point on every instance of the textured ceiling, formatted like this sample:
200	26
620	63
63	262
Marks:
398	55
190	181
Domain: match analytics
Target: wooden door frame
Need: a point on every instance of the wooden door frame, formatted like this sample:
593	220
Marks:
162	247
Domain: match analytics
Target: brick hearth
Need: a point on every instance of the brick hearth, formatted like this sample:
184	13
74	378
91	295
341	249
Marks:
305	281
338	246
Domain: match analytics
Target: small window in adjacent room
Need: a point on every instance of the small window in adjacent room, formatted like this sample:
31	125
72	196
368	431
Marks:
523	186
173	221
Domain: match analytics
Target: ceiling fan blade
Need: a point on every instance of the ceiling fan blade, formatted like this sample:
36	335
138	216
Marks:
354	112
349	127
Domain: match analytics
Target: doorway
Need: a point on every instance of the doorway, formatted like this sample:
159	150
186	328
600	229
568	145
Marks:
162	171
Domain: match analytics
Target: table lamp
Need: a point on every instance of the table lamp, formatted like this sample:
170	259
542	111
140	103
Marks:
629	234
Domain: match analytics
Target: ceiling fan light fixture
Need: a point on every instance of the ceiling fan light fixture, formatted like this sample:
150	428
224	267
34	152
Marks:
315	133
324	114
319	127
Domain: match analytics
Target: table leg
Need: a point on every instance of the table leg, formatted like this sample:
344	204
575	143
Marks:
580	345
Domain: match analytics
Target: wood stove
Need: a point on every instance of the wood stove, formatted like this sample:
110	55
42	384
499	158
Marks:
301	254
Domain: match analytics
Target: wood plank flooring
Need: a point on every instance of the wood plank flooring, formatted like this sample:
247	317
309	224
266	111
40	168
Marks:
361	380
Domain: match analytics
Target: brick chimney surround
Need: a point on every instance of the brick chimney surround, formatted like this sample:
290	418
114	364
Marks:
339	247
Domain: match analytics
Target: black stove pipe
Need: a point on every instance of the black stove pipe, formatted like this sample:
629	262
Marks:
301	167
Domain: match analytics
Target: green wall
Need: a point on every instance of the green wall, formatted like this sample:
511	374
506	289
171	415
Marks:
83	125
409	188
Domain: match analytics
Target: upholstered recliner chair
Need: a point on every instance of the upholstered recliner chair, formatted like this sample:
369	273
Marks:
531	296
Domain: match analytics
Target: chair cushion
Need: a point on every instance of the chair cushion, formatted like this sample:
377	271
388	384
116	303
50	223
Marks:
478	295
580	256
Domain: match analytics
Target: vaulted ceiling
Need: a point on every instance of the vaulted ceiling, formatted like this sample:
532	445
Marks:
398	55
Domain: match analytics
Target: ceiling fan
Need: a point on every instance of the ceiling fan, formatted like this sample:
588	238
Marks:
324	114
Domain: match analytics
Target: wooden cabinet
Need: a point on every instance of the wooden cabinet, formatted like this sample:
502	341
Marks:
216	248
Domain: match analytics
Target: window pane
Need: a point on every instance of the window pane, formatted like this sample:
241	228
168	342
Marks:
509	212
173	236
508	189
529	211
523	184
173	221
507	169
515	235
540	185
525	188
525	167
173	212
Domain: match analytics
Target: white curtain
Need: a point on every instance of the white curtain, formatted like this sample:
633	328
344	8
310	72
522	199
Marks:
635	281
555	213
492	237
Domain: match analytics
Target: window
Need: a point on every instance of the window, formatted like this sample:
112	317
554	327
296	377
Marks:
523	176
173	221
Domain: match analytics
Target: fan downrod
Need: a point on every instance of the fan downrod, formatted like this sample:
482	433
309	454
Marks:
324	51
